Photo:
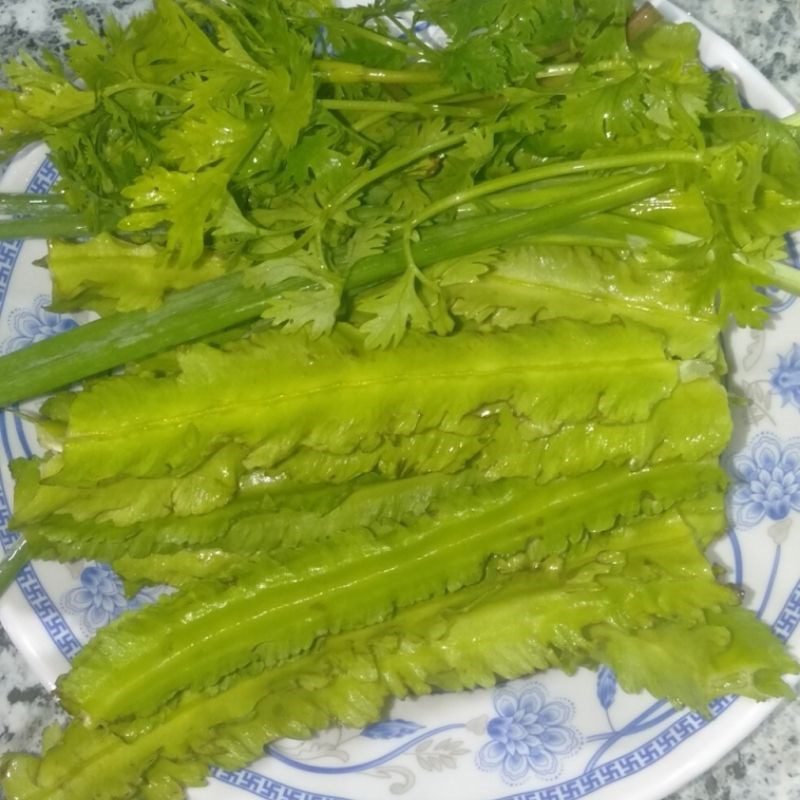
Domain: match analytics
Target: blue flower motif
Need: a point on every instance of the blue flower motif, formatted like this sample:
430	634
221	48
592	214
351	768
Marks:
606	687
768	480
101	597
529	734
785	378
390	729
98	599
30	325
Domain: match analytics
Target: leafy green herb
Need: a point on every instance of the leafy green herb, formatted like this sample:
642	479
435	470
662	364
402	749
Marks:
247	147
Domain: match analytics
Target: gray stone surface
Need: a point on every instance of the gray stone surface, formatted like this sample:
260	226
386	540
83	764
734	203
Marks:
31	25
766	31
26	707
767	765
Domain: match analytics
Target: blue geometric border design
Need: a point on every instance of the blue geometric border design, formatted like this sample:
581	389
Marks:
37	597
9	253
40	183
262	786
28	581
789	618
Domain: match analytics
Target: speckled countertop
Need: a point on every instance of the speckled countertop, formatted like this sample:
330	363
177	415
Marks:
767	765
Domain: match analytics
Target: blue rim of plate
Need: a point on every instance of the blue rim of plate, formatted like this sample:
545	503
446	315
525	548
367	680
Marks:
594	777
58	629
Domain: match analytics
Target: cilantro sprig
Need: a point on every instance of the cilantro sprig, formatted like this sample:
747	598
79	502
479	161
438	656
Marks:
313	153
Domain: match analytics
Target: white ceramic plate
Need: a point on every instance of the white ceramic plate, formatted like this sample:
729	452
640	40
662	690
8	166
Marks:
601	742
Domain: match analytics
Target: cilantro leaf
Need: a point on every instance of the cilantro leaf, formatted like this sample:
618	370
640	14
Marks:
185	202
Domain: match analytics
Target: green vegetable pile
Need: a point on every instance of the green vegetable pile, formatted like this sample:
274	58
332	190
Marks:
407	373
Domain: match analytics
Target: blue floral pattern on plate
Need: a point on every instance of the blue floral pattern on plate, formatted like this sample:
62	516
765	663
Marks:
390	729
768	480
785	378
606	687
100	597
529	734
31	325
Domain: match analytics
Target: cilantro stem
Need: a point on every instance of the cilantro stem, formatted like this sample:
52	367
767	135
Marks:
65	224
393	164
346	72
12	564
571	67
554	171
473	234
781	276
130	86
616	230
423	97
44	216
397	106
30	203
553	192
558	70
373	36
